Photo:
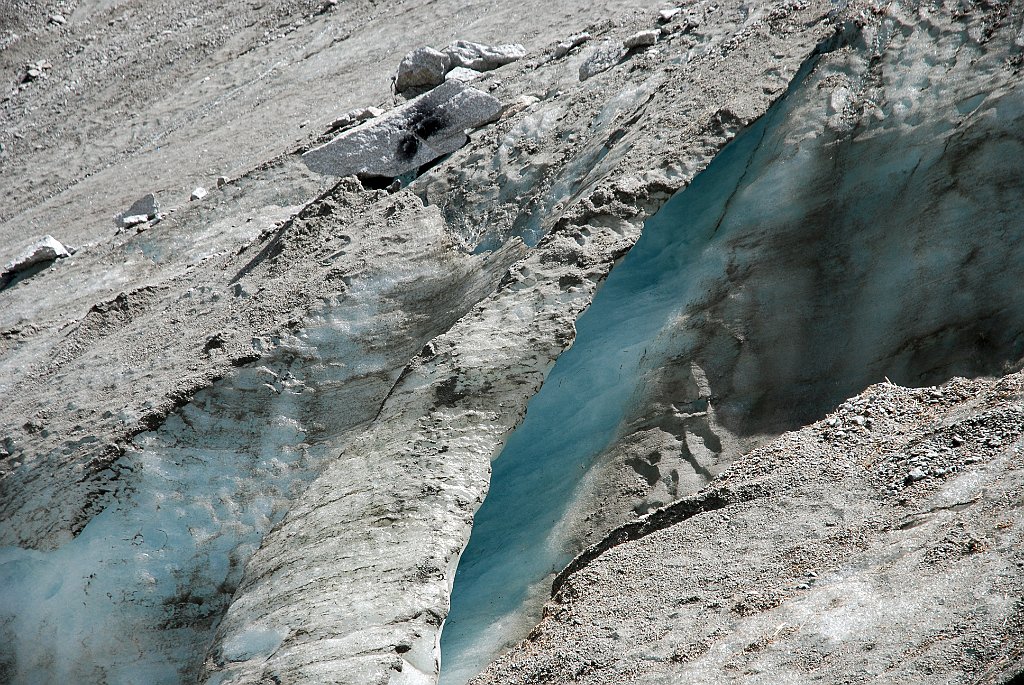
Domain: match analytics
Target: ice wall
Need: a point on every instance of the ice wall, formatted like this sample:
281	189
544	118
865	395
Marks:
863	228
134	597
519	538
137	595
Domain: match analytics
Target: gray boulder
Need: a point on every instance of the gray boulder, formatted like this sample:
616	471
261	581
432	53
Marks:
483	57
407	137
422	68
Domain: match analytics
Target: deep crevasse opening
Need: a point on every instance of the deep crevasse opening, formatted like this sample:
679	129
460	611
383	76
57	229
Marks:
824	249
517	545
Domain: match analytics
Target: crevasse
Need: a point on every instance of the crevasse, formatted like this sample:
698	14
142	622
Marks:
517	543
831	245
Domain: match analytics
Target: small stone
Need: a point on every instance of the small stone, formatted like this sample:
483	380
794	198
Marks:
199	193
642	39
355	116
422	68
462	74
58	19
916	474
145	206
666	16
957	440
222	181
574	41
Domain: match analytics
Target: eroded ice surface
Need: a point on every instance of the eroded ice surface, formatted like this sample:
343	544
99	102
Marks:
135	597
517	544
830	245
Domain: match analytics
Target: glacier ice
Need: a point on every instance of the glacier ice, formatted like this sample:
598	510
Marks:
134	597
137	595
862	229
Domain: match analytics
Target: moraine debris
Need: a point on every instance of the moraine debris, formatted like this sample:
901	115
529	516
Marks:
425	67
35	71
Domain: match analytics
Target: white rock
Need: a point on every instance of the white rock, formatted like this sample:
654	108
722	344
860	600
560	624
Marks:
462	74
483	57
641	39
199	193
668	15
422	68
146	206
574	41
46	249
58	19
133	220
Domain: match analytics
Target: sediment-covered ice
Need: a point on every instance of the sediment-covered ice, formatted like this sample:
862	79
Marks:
862	229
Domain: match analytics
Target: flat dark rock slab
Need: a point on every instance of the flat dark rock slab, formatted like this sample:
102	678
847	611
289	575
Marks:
407	137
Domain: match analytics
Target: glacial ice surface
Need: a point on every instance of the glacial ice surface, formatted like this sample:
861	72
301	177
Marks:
136	596
815	255
517	545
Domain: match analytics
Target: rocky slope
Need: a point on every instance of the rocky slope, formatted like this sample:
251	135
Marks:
246	436
819	557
